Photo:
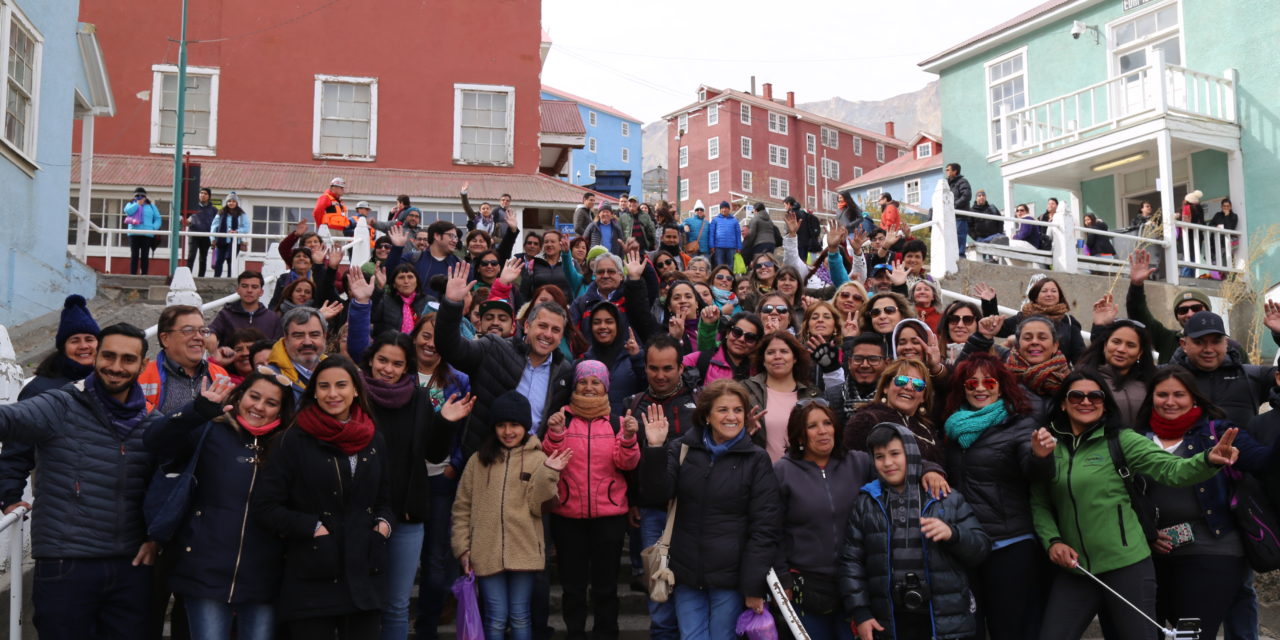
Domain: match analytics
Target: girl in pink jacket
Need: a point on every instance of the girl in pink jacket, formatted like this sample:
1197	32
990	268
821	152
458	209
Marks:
590	520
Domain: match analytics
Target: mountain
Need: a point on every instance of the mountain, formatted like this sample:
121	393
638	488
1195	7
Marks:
910	112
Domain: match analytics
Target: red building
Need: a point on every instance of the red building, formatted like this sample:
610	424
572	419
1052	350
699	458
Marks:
276	91
738	146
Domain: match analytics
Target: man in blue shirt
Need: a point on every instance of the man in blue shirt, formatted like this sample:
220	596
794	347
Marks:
439	257
696	230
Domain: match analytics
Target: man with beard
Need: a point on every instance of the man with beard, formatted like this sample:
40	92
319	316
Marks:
89	537
497	318
669	243
864	364
302	347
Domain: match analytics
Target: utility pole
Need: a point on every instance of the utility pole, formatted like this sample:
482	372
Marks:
175	206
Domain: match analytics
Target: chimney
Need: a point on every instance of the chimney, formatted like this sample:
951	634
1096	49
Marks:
791	99
888	129
768	91
753	85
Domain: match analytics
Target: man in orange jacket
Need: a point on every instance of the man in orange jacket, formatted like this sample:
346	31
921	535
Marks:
329	208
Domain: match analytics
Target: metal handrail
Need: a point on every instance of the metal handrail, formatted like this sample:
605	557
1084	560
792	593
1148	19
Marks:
15	517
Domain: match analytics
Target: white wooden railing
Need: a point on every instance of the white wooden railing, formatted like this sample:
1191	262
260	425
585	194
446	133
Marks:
1204	247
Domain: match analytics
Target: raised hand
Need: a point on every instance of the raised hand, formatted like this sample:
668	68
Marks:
899	274
333	257
556	422
793	223
851	324
675	325
935	529
1271	315
1105	310
466	185
455	409
984	291
398	236
710	314
511	271
457	286
360	289
632	346
1043	443
223	356
634	264
559	459
630	425
1140	267
655	425
1224	453
330	309
932	351
808	301
836	234
859	239
380	277
754	422
990	326
218	391
301	227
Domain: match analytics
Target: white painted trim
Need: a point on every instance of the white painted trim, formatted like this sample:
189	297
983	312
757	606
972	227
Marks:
682	156
713	144
746	181
317	115
458	89
11	12
992	152
713	174
936	63
744	113
157	89
746	150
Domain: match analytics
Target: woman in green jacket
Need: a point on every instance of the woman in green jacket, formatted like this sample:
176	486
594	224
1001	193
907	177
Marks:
1084	518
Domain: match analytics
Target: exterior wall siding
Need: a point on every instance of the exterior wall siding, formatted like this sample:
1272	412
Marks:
609	145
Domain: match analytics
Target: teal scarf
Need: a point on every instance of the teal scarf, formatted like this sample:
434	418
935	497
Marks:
966	426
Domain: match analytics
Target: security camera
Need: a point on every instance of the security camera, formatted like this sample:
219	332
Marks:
1077	28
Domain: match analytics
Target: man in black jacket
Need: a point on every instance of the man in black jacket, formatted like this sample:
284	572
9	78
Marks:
961	195
809	237
89	539
200	221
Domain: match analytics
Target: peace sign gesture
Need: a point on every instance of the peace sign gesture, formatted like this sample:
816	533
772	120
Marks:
1224	453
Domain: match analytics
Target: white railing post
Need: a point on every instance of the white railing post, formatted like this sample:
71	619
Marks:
360	252
86	186
273	266
10	370
1064	248
943	254
1005	137
182	290
1229	100
1163	78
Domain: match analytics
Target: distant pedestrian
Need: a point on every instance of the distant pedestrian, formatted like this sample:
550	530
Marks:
200	222
141	215
725	236
232	219
961	195
329	208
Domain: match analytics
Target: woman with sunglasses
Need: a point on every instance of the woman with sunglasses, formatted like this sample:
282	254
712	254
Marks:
763	271
776	313
1121	354
904	396
229	565
486	267
995	448
1045	298
959	321
848	299
734	357
785	378
398	307
881	313
722	286
1035	357
820	333
1084	516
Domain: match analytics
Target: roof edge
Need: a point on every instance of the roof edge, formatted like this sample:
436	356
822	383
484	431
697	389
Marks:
1013	27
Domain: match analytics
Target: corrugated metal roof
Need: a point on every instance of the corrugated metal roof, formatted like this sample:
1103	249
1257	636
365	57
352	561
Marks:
904	166
561	117
224	175
590	103
1035	12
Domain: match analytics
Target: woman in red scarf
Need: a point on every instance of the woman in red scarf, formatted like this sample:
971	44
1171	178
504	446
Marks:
325	491
1199	557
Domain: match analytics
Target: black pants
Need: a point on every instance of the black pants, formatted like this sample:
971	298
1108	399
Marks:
221	256
1202	587
363	625
166	562
588	551
1011	587
912	625
1075	599
139	254
90	598
198	253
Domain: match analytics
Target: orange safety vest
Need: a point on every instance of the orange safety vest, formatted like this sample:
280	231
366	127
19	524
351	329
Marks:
152	380
336	219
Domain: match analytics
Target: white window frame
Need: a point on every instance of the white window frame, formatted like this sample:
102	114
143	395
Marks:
992	149
682	123
811	202
626	129
591	171
830	169
857	172
744	146
713	114
713	181
879	152
25	149
683	189
626	155
778	122
682	156
213	73
746	180
907	187
810	143
829	200
830	138
811	174
779	156
702	95
924	150
713	147
779	188
874	193
593	119
591	145
457	122
744	113
857	146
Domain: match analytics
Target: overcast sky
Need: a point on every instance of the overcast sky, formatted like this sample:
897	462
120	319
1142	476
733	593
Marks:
648	58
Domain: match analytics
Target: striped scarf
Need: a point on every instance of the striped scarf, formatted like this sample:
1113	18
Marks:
1043	379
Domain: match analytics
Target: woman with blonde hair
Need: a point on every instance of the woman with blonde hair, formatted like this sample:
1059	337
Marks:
904	396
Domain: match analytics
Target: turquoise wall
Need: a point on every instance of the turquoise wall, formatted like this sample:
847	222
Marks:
1209	174
1098	197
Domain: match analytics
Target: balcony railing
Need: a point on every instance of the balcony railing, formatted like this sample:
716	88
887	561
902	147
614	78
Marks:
1154	90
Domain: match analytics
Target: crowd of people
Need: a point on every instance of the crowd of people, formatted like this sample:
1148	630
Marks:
794	399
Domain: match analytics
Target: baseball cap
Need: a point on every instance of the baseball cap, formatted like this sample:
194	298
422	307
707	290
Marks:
1204	323
500	305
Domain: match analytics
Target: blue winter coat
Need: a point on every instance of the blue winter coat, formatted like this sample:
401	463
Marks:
150	218
726	233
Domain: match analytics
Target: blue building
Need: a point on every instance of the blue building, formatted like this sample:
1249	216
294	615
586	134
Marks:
613	142
54	75
910	179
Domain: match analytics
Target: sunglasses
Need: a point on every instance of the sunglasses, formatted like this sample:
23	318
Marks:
822	402
779	309
871	360
665	263
724	276
876	313
765	265
746	336
278	377
902	381
962	320
1078	397
1190	308
845	295
985	383
489	263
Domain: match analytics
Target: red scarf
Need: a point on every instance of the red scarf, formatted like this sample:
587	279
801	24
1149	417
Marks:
349	437
258	431
1174	429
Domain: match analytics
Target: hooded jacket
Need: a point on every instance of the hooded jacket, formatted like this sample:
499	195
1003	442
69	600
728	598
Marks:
626	371
233	317
865	570
201	220
1238	389
726	232
593	485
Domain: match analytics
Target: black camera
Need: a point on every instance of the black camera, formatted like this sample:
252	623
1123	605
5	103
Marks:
912	594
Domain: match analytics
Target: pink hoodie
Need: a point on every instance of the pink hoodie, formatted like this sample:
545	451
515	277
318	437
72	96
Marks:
593	485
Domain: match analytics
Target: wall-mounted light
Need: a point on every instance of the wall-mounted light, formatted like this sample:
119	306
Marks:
1079	28
1119	162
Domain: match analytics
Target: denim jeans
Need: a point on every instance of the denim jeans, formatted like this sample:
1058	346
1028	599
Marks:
506	601
724	256
662	615
213	619
1241	622
404	550
708	614
962	236
439	567
104	598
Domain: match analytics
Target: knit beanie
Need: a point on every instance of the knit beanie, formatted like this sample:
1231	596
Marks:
75	319
512	407
231	196
1191	294
592	368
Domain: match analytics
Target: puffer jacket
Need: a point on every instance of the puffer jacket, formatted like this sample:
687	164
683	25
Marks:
816	503
1238	389
726	232
728	516
863	420
388	310
17	459
151	220
497	514
593	485
995	474
233	317
90	480
718	368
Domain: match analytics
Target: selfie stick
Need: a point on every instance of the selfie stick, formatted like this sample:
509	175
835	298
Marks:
1172	634
788	612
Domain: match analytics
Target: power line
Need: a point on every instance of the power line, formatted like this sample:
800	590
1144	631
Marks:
735	60
627	75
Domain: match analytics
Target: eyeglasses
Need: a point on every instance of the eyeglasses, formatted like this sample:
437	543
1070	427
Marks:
724	276
871	360
279	378
902	381
769	309
746	336
1189	308
845	295
986	383
1078	397
765	265
962	320
607	272
822	402
489	263
889	310
187	332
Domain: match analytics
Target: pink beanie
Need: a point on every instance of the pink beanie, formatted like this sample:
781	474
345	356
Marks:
592	368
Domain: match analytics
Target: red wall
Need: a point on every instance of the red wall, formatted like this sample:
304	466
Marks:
416	49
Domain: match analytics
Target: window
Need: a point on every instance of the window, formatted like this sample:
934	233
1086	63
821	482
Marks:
484	124
857	146
829	200
684	157
746	181
777	122
879	152
830	138
873	195
713	114
901	153
626	155
911	189
592	119
779	188
1134	44
744	113
778	156
713	182
684	189
811	175
830	169
713	147
106	213
745	143
810	143
20	54
702	95
200	119
591	170
682	123
1006	92
811	202
857	172
591	145
924	150
626	129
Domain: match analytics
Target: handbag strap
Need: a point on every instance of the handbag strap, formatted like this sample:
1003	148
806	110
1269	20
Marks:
195	453
665	540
